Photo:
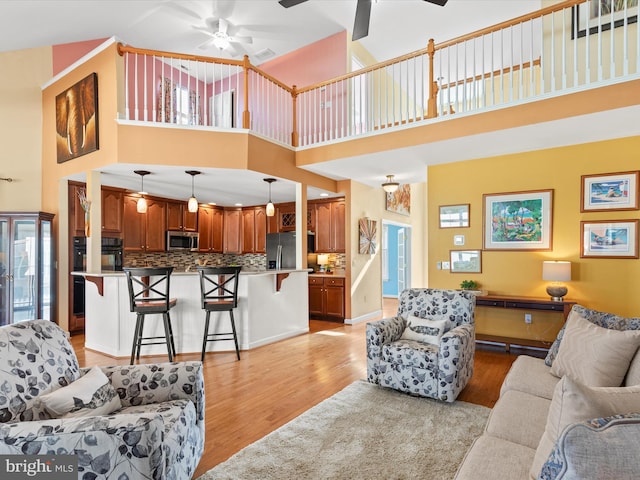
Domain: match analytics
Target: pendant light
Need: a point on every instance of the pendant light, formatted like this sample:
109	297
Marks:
141	205
390	185
271	209
192	204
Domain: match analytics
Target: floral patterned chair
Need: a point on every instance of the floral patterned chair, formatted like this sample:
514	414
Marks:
155	429
398	357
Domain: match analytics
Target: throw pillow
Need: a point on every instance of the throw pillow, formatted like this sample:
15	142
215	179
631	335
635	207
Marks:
573	402
595	356
91	394
602	319
633	374
424	330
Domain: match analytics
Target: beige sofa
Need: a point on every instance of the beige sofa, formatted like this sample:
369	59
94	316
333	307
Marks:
532	400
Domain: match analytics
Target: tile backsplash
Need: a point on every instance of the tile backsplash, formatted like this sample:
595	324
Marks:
181	260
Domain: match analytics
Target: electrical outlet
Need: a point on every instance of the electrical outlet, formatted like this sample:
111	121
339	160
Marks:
445	265
527	318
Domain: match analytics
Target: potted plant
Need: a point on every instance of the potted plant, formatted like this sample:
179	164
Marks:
469	285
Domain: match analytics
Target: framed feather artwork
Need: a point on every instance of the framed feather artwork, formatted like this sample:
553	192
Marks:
368	233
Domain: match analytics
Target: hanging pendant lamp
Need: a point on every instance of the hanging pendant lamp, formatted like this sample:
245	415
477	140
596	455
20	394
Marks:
141	205
390	185
271	209
192	203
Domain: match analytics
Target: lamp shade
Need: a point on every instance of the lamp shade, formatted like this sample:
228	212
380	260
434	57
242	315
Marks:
192	205
141	205
323	259
271	209
390	185
556	271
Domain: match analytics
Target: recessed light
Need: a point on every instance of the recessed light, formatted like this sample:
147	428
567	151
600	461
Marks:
238	204
212	203
323	194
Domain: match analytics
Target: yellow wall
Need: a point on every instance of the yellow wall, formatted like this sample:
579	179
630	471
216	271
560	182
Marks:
366	270
603	284
23	74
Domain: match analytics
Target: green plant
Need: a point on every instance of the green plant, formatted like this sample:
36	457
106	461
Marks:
469	284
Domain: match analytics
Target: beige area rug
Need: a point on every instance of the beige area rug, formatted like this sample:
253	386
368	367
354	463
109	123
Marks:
363	432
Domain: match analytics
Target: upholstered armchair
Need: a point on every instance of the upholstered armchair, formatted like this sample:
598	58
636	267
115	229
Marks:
428	348
124	422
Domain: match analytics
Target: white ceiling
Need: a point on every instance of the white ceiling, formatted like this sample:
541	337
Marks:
397	27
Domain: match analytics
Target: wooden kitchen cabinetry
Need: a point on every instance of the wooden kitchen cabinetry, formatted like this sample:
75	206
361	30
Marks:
112	211
254	230
286	213
330	231
144	232
180	218
232	230
211	229
326	297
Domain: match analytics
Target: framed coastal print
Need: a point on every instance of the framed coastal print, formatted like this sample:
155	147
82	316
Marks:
518	220
465	261
77	119
454	216
609	239
400	200
600	15
610	191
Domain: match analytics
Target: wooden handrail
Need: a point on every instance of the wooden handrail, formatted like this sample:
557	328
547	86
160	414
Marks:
509	23
495	73
270	78
122	49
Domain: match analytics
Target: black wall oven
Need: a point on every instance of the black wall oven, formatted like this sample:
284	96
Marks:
111	256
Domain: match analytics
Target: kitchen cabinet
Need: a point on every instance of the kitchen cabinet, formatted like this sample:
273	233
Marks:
144	232
286	213
326	297
330	231
180	218
233	230
27	280
254	230
211	229
112	211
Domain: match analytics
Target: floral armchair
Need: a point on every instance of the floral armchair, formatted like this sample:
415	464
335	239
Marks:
155	432
438	370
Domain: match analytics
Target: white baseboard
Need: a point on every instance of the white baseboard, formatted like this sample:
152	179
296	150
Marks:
363	318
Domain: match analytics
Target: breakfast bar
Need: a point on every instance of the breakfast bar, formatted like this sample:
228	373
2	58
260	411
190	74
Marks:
272	306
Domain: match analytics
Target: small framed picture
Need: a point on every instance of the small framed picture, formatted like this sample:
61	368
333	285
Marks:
454	216
611	191
466	261
609	239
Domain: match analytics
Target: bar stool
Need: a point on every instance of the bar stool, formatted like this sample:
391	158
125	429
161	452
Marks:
149	295
219	293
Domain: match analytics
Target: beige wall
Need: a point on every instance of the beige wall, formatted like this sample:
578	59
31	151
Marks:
23	74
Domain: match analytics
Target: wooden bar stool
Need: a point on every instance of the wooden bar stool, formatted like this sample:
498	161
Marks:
219	293
149	295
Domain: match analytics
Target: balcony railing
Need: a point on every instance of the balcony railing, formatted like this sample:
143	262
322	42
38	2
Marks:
569	46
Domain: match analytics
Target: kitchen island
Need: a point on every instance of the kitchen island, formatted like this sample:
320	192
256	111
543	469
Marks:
272	306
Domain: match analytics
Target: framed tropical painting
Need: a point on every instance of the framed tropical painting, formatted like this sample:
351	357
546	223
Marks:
611	191
518	220
609	239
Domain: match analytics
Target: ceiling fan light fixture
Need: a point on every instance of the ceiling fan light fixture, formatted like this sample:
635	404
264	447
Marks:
221	41
192	203
270	209
141	204
390	185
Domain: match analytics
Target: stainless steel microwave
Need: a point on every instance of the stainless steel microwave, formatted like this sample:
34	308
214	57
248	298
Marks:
178	240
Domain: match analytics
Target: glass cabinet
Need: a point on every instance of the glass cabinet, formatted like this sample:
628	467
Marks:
26	267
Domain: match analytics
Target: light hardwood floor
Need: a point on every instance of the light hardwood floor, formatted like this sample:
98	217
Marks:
273	384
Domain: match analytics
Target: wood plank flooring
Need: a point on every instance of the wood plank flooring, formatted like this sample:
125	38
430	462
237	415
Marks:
273	384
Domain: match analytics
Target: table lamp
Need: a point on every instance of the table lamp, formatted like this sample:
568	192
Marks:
322	260
556	272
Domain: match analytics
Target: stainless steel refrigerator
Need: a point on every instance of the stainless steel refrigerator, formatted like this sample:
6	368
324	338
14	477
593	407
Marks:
281	250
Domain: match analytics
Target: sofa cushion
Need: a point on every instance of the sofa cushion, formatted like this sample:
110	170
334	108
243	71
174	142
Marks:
491	458
573	403
508	422
530	375
598	448
91	394
602	319
424	330
595	356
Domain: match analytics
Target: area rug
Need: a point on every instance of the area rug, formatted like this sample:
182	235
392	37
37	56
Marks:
363	432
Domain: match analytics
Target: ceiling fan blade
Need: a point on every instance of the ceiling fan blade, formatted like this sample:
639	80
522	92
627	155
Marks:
361	24
290	3
206	44
442	3
223	25
223	8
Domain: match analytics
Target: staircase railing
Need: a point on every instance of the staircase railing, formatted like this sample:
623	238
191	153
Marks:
572	45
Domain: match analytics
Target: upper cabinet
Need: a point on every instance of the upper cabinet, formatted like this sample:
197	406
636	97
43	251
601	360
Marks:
144	232
330	229
233	230
112	211
286	213
254	230
180	218
210	227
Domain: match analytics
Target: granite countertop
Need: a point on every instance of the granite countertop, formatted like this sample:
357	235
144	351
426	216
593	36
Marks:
248	271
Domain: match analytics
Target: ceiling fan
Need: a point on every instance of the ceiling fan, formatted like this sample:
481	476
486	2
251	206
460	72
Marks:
363	12
223	36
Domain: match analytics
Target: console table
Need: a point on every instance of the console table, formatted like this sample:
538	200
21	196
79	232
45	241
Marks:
522	303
